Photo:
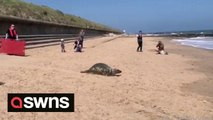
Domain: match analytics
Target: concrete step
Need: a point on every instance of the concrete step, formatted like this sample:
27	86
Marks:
52	42
47	44
47	41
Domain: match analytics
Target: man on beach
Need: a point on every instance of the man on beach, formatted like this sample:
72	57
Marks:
11	33
140	42
160	47
81	38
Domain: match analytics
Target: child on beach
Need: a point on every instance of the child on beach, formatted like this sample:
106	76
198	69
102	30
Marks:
77	46
62	46
78	49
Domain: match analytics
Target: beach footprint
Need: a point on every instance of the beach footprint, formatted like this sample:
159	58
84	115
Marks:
1	83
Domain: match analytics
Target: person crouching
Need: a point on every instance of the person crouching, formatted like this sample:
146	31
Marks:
11	33
160	47
77	46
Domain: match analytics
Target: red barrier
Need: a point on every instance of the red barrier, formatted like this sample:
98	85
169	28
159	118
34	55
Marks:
12	47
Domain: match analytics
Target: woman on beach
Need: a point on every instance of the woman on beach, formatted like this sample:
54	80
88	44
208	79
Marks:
11	33
81	38
140	42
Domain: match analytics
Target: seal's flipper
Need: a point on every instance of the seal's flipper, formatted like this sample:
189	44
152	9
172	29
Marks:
86	71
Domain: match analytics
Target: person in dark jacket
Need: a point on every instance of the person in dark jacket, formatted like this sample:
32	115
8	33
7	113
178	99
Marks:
140	42
11	33
75	44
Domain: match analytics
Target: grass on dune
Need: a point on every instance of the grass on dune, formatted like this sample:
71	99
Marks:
22	9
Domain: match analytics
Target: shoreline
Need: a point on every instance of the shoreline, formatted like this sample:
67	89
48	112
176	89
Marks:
201	59
194	39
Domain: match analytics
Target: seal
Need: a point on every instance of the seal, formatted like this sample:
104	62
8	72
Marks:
102	69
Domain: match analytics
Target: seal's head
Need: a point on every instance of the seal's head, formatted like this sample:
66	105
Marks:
116	71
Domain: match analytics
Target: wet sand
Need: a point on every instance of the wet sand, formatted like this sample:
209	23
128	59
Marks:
201	59
151	87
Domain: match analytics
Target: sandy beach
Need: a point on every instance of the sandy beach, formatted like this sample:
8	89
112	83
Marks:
177	86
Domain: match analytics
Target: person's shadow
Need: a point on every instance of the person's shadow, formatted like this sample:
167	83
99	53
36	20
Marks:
153	50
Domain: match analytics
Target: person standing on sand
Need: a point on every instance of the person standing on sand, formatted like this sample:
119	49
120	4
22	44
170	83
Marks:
81	38
62	46
140	42
11	33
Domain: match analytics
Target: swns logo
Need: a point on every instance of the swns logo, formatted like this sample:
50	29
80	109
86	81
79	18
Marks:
40	102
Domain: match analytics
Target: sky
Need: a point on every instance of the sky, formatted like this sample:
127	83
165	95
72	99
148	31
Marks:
145	15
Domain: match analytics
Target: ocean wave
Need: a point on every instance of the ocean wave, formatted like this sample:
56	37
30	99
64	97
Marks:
198	42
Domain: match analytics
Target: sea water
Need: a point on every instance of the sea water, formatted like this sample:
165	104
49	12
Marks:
198	42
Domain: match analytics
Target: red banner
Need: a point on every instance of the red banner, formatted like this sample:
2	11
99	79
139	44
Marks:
12	47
